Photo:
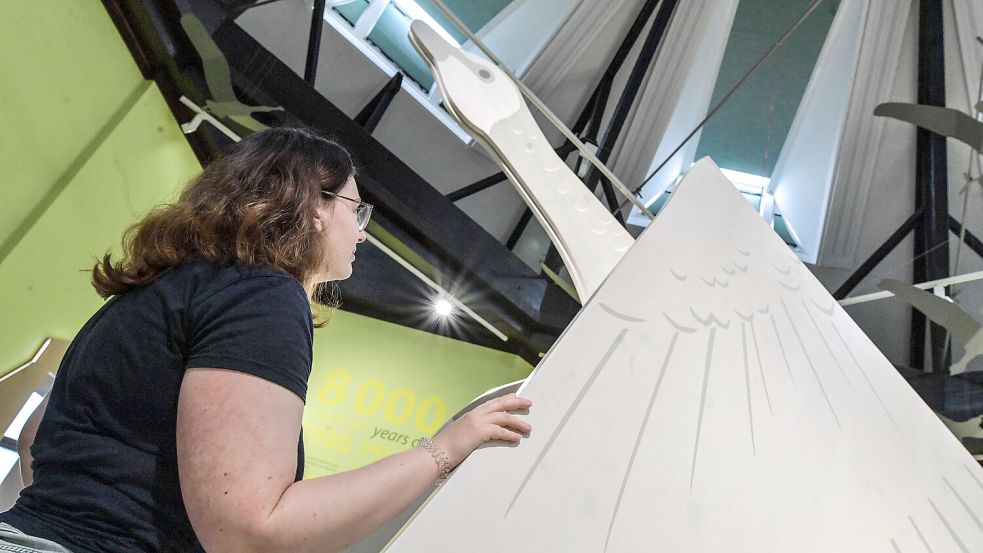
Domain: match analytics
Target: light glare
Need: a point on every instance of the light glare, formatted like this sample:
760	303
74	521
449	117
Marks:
443	307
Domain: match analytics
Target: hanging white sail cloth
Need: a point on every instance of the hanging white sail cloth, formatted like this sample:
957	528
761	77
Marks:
674	95
804	171
579	52
860	142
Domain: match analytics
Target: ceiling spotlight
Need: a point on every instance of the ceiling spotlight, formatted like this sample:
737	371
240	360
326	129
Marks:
443	307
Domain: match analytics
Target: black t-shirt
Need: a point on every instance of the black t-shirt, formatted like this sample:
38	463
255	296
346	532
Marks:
105	462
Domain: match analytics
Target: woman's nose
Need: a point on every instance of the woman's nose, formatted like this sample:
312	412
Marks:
361	237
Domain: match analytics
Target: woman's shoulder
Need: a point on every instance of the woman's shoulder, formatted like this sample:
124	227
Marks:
225	271
204	278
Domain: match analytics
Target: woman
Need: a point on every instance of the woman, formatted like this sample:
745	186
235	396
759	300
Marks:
175	419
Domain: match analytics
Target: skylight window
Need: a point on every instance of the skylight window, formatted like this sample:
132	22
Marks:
746	182
754	188
413	10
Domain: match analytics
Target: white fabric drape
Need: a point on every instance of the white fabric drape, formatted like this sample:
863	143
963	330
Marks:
967	22
857	154
571	64
803	173
675	92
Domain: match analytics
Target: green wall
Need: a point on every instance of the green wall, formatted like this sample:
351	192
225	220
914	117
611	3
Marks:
376	387
51	112
88	147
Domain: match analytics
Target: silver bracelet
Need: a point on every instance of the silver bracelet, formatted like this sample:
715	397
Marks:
439	457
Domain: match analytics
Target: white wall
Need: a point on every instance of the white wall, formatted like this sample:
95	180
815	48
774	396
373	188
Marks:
519	32
804	171
890	202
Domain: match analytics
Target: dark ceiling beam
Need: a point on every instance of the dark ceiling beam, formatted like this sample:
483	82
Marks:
477	186
879	254
152	57
520	227
372	113
314	42
970	239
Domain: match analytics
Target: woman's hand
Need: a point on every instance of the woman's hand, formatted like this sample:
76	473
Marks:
489	421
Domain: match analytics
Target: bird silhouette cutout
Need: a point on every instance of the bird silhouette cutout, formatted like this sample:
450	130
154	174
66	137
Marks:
712	396
218	77
961	325
943	121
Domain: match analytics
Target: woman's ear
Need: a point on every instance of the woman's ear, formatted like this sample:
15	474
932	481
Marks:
320	219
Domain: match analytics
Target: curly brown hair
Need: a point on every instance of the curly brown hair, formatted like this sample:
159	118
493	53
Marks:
255	206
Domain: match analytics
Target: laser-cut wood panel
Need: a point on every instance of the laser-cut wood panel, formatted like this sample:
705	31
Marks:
710	396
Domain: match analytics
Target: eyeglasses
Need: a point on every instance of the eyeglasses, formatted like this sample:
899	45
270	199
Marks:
363	211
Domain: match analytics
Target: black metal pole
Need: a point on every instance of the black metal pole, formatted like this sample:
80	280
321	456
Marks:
565	149
314	42
372	113
584	116
476	187
519	228
597	110
970	239
627	99
879	254
931	186
599	98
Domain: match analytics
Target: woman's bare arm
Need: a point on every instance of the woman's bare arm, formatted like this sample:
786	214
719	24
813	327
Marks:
237	443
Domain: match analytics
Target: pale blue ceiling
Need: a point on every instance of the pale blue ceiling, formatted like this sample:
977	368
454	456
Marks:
748	132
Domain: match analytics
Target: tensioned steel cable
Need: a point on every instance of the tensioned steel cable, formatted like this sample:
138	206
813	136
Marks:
781	40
